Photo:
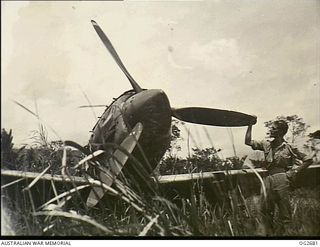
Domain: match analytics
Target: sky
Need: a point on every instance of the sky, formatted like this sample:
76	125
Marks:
257	57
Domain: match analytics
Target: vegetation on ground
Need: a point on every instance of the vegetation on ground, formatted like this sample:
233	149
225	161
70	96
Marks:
127	212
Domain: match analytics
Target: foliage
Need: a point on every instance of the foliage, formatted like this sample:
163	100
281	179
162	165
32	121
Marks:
125	212
36	157
201	160
313	145
175	136
170	165
7	154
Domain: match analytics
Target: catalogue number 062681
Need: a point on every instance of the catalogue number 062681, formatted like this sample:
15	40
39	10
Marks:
308	242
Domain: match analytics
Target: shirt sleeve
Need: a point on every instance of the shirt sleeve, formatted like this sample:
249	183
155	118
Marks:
258	145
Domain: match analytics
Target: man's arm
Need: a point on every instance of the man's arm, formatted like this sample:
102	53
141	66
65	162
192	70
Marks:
255	145
307	160
248	138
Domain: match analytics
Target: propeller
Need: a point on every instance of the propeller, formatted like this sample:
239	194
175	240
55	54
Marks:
115	56
215	117
196	115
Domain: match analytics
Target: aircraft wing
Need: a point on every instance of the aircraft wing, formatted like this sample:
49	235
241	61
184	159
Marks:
215	182
216	176
175	184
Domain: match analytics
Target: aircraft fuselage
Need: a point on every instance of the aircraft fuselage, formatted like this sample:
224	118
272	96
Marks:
149	107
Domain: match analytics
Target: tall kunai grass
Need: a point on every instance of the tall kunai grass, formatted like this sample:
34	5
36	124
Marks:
55	209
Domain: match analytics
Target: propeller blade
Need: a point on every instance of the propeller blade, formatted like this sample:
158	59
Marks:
213	117
116	162
115	56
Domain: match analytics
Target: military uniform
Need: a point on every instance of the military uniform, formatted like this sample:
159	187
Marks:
277	183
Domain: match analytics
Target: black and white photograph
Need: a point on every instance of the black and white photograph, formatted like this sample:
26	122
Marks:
147	119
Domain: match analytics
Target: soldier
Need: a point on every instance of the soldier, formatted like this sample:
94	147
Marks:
279	155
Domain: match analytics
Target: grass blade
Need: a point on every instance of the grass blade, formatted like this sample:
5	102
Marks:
69	192
148	226
37	116
64	161
74	216
89	157
11	183
37	178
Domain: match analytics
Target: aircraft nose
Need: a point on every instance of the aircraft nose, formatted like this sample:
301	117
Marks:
148	106
155	97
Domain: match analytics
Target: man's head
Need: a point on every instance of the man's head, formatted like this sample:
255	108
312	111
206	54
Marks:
278	128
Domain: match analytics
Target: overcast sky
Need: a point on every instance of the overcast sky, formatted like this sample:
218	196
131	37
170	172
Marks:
257	57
